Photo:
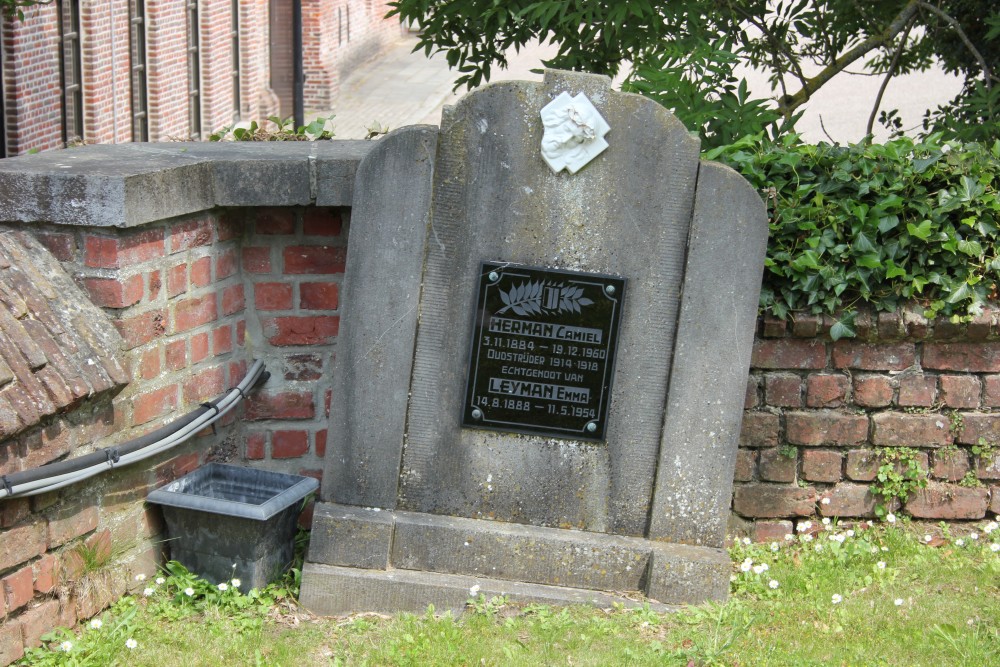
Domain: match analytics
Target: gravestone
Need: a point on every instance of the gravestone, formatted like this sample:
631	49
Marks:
548	316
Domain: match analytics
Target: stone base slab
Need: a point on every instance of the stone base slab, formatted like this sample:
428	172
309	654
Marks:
330	591
413	559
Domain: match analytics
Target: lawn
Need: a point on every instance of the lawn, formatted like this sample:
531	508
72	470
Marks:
890	594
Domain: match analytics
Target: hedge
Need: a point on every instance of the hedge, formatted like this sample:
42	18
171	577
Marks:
875	223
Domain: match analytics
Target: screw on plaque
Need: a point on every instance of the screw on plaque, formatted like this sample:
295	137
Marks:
494	276
591	427
610	289
477	413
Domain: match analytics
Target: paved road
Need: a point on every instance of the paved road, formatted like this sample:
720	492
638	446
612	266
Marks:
406	88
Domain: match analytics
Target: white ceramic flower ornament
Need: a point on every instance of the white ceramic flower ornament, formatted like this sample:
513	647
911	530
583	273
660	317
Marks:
574	132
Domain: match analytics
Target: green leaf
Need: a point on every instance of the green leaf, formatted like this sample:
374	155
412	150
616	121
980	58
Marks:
921	231
970	248
842	330
863	244
870	261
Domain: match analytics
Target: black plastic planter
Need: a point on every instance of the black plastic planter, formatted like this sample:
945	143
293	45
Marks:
226	522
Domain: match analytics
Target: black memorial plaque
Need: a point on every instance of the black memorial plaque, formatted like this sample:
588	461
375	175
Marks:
543	351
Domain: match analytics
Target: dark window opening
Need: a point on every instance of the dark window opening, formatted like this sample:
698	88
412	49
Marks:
194	70
137	51
70	71
237	109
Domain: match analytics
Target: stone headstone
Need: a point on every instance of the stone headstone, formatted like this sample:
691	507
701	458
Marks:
627	487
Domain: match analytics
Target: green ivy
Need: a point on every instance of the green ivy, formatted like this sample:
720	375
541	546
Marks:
880	224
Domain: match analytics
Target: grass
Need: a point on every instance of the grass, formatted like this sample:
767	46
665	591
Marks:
872	596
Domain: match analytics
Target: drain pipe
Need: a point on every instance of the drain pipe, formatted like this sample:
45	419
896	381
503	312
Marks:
54	476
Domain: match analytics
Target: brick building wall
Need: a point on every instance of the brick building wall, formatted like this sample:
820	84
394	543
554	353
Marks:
32	72
821	415
167	40
337	36
32	118
105	56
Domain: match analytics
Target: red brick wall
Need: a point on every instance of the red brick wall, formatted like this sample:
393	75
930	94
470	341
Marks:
195	299
819	413
105	53
293	262
31	77
167	76
174	291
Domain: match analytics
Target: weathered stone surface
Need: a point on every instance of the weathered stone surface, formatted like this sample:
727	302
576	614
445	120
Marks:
948	501
329	590
498	550
132	184
368	417
681	574
350	536
711	359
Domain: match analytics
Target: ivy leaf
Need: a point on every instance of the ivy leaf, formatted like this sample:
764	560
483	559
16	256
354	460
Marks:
970	248
963	292
870	261
863	244
843	329
893	271
921	231
920	164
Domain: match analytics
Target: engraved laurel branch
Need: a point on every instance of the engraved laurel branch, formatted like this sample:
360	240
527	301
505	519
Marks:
527	298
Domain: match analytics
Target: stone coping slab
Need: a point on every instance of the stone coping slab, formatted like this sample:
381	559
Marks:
127	185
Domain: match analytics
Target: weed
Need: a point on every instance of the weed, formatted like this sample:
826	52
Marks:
899	476
970	481
984	450
956	422
788	451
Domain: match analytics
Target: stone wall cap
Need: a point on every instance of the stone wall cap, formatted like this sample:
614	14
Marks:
127	185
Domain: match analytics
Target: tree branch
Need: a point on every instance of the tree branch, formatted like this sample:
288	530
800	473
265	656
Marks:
947	18
889	74
776	45
789	104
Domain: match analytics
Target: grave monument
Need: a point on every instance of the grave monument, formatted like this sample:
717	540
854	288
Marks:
549	309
